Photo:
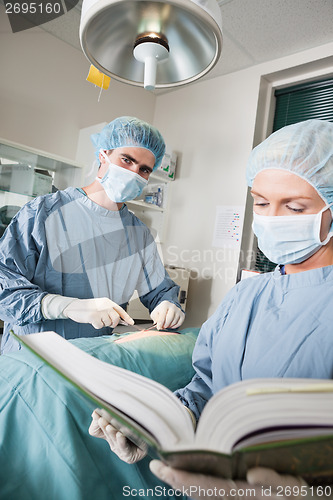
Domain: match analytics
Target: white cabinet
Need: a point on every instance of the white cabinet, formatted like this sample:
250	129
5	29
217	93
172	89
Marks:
26	173
64	172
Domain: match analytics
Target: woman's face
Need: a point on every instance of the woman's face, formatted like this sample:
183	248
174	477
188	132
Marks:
280	192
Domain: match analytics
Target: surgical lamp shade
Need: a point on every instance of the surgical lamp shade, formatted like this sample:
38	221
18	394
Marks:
152	43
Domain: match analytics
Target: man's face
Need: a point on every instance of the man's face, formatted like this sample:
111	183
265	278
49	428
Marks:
138	160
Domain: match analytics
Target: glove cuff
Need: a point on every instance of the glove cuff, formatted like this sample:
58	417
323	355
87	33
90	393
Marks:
53	306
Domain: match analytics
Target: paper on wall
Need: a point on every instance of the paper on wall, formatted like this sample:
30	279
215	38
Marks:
228	226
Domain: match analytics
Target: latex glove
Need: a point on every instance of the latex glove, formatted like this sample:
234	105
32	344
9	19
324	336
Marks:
98	312
53	305
279	484
119	444
261	484
167	315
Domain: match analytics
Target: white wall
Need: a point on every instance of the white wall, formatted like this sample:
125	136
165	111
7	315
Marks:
45	98
212	125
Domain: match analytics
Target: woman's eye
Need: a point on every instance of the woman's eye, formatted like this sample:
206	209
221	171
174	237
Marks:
298	210
261	204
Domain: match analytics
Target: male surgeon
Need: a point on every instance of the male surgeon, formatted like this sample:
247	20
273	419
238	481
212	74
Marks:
70	261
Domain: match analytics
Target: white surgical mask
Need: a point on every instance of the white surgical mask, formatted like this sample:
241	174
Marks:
289	239
121	184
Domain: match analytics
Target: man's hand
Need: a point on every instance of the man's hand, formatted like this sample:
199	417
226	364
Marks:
167	315
98	312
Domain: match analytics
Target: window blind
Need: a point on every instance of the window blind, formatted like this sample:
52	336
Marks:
303	102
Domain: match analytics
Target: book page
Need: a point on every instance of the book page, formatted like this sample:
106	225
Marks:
145	401
233	414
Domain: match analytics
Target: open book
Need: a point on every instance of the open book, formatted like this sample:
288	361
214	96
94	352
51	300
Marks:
286	424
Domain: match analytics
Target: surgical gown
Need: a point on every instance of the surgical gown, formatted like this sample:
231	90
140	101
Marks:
271	325
65	244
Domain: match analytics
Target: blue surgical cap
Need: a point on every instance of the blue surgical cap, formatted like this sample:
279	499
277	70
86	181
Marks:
128	131
305	149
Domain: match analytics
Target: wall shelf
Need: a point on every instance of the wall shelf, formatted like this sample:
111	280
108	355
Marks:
143	204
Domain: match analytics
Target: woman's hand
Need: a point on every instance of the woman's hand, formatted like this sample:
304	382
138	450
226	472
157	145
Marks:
261	484
119	444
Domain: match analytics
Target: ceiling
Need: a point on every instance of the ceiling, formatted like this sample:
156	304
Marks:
254	31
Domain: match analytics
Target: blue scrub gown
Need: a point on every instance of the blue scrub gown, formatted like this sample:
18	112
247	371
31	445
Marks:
65	244
271	325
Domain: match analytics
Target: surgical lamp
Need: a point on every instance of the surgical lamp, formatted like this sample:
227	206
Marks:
152	43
